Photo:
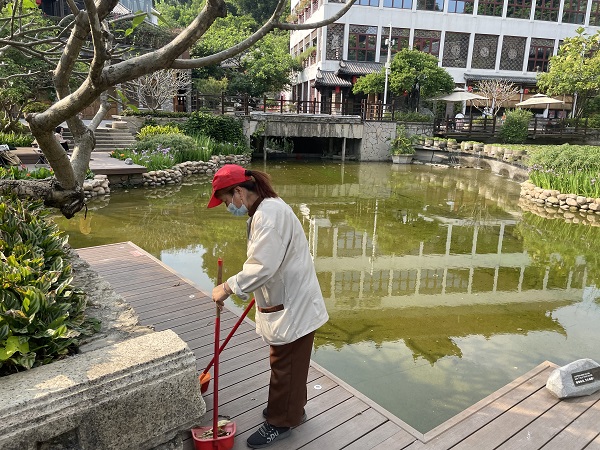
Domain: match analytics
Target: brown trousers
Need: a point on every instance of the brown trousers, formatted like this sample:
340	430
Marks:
287	389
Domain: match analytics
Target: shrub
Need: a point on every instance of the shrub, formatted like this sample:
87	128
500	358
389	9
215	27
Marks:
16	139
41	313
129	112
412	117
154	130
516	126
219	128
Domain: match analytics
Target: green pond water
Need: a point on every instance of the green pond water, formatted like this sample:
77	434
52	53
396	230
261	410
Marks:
440	289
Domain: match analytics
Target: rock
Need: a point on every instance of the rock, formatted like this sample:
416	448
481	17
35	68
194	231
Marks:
561	382
571	201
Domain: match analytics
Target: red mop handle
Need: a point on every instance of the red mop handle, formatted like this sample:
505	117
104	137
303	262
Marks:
216	359
231	333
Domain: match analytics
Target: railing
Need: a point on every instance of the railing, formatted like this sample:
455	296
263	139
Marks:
228	104
492	125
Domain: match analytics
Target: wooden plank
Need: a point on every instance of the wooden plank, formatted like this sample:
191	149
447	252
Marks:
578	434
348	431
379	435
545	427
510	422
332	412
484	411
398	441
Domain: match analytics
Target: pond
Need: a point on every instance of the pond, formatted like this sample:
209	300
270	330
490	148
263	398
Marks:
440	289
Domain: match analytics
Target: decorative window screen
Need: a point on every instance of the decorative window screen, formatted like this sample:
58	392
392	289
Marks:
456	49
513	52
595	13
335	44
484	51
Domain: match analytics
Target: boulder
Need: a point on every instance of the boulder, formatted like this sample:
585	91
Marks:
581	377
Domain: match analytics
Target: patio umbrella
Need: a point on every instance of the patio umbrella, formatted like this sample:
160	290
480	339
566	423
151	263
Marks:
460	96
539	100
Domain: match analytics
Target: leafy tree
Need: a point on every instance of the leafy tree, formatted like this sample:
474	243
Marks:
413	68
574	70
412	71
264	68
86	37
373	83
260	10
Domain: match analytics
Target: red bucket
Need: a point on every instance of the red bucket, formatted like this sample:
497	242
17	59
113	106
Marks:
220	443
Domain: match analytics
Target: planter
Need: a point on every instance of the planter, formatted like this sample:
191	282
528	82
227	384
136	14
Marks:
402	159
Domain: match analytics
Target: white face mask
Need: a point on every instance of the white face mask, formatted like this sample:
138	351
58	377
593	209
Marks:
241	211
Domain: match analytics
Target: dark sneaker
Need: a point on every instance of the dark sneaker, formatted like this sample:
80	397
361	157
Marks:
266	415
266	435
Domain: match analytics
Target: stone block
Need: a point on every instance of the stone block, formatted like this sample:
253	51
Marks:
139	393
581	377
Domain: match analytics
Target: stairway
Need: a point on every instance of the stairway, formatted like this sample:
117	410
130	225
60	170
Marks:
107	139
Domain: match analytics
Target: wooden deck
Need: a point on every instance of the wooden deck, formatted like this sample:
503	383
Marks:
522	415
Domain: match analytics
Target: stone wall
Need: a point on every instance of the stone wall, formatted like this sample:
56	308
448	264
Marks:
127	388
554	204
376	141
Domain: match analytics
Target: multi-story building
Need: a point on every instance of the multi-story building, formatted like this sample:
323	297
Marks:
473	39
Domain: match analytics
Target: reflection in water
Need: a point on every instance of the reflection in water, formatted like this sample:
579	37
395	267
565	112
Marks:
439	289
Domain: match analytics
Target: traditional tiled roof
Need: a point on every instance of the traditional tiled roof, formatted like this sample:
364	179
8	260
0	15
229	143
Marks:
326	78
358	68
512	79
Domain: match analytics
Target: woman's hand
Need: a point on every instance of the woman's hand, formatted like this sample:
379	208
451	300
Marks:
220	294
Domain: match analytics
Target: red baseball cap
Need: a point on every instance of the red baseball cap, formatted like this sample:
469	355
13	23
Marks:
228	175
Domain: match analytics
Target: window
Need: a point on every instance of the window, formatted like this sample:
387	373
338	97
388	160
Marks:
518	9
595	13
460	6
399	38
361	47
430	5
490	8
547	10
367	2
400	4
540	52
427	41
574	11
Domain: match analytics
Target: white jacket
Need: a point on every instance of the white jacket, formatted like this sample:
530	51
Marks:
280	270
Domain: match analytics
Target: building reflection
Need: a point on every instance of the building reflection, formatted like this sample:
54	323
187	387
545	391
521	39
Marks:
464	276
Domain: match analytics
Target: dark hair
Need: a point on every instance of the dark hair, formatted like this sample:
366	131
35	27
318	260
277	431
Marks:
58	130
260	184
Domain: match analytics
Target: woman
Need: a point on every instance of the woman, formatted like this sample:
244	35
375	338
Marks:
58	134
289	305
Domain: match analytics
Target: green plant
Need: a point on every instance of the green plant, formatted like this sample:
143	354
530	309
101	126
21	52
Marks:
516	126
412	117
219	128
16	139
153	130
41	313
402	144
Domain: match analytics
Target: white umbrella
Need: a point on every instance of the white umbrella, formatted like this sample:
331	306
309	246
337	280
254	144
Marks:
460	96
539	99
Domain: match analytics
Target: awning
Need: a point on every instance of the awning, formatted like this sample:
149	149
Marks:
358	68
326	78
512	79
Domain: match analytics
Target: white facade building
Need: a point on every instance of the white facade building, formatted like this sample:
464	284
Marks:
473	39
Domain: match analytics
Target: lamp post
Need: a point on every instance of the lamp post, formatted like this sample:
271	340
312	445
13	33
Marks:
389	42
